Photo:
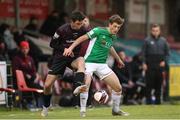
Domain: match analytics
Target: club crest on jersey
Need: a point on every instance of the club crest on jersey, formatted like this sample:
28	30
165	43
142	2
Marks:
105	44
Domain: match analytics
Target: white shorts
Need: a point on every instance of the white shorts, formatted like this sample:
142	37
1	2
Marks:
101	70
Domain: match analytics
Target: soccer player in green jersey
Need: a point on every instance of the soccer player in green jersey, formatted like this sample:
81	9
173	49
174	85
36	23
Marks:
101	40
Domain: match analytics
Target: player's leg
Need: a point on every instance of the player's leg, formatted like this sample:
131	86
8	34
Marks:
58	67
150	76
157	86
79	64
84	96
47	93
90	68
48	88
110	78
113	81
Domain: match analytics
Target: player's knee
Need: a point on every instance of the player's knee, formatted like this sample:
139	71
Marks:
47	89
118	89
87	89
46	86
81	61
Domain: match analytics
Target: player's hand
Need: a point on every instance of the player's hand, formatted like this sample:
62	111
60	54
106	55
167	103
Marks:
121	64
162	64
67	52
130	83
144	66
72	54
164	83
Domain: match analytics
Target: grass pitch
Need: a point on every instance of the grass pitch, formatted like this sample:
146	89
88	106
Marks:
136	112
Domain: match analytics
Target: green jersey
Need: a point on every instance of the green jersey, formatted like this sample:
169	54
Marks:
100	43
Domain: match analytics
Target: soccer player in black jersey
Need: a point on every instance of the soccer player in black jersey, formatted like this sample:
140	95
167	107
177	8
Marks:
63	38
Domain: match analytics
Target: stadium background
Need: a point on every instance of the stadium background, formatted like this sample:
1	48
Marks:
139	15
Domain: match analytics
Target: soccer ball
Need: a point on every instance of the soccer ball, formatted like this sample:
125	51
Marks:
101	96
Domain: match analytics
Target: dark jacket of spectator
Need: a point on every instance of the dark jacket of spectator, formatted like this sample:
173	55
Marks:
50	24
22	61
3	50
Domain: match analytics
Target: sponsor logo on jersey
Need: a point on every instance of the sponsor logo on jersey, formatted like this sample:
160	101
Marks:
55	35
75	35
70	41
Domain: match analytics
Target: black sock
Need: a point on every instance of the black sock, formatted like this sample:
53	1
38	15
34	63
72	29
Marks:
47	100
79	79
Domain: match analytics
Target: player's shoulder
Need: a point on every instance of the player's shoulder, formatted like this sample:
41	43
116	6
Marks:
148	39
163	38
63	27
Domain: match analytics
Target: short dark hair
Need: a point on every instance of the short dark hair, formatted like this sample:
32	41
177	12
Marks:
77	15
155	25
117	19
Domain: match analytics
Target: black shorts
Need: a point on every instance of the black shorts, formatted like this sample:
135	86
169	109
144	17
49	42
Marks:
60	63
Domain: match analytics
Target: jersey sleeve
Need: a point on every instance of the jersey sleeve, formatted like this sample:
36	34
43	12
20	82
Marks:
54	43
93	33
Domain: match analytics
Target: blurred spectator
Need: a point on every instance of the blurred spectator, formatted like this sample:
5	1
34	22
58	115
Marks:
8	39
155	55
35	52
138	77
18	36
63	18
50	24
32	25
22	61
3	51
136	67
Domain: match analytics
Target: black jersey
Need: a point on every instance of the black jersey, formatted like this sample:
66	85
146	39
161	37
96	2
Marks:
64	37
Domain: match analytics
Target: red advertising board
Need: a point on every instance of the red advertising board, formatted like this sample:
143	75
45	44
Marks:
27	8
102	9
98	9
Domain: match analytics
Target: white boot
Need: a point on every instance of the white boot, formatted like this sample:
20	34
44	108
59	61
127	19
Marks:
44	112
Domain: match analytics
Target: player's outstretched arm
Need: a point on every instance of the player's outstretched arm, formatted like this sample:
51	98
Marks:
116	56
68	51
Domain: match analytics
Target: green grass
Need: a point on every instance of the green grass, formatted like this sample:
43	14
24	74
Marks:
136	112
